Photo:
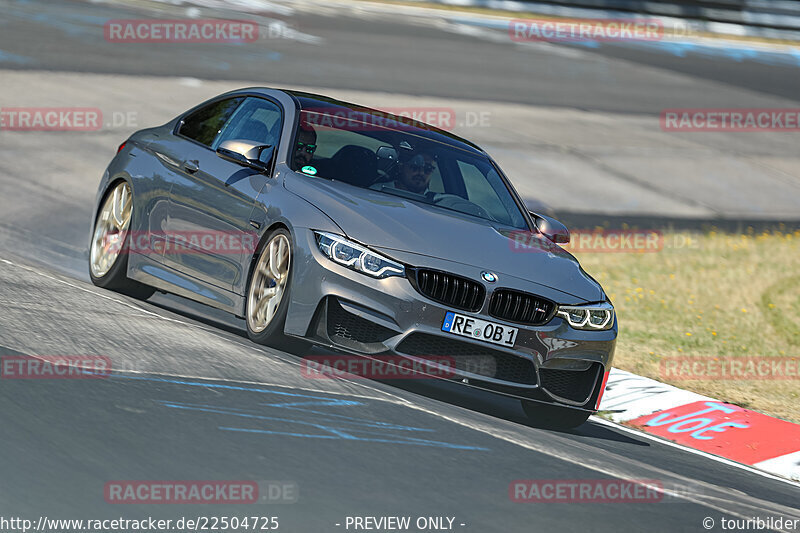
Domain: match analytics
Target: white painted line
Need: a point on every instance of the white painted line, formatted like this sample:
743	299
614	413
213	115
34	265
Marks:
788	465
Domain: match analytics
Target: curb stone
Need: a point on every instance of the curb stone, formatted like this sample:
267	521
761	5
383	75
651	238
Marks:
706	424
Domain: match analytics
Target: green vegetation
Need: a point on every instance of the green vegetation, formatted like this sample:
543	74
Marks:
709	295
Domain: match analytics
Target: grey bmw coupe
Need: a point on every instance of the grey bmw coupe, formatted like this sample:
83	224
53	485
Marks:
323	222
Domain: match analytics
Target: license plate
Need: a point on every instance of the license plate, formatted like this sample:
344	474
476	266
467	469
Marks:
483	330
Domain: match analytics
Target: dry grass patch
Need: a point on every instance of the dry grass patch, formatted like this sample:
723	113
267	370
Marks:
717	296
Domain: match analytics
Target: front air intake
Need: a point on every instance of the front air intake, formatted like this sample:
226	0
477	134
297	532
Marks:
469	357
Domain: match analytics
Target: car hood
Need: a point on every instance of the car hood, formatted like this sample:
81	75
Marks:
388	223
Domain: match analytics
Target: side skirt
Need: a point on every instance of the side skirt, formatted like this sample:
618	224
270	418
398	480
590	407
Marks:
145	270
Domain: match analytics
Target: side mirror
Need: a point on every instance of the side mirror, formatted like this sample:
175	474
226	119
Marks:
551	228
247	153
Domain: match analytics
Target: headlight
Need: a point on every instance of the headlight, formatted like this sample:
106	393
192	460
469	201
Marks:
357	257
588	317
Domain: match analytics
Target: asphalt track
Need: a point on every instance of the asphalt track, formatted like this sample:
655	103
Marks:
352	448
340	45
193	399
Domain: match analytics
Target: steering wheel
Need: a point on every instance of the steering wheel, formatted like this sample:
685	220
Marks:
457	203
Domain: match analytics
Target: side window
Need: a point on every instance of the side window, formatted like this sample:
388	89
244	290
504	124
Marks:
480	191
256	120
204	124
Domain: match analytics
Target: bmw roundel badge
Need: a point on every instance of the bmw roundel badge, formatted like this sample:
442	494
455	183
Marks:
489	277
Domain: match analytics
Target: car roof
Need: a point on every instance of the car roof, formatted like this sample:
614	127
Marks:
323	103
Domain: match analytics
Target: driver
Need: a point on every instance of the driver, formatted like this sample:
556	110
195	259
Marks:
414	174
306	145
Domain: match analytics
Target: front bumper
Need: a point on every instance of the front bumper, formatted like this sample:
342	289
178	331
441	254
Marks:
347	310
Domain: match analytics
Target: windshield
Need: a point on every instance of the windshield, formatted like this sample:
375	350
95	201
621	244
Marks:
372	151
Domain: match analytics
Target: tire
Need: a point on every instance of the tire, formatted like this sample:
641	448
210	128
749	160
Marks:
267	328
108	264
553	416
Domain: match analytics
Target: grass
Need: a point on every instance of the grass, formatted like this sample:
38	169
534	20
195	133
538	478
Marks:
710	295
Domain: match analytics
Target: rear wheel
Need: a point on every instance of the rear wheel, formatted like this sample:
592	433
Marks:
108	251
553	416
268	293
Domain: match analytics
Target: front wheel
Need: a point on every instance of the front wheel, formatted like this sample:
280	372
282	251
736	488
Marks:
108	251
553	416
268	293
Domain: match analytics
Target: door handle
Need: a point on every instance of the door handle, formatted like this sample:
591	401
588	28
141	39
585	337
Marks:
191	166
